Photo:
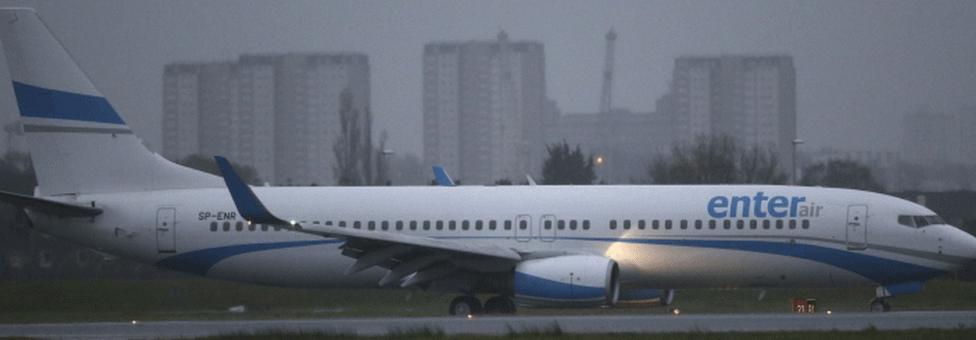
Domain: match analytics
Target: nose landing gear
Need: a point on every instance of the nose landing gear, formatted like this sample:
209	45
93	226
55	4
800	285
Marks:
880	305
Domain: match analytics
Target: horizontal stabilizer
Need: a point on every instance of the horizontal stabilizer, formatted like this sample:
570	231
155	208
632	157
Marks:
248	204
47	206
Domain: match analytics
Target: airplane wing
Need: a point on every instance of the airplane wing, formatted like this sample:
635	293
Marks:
411	260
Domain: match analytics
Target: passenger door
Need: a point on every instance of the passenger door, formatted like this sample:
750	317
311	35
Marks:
523	228
166	230
857	227
547	229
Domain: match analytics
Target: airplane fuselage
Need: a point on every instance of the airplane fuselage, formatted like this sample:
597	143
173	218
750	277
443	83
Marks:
661	236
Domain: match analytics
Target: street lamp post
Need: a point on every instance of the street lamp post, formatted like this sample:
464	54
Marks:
793	176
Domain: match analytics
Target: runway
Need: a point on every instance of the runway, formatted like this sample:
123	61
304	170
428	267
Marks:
505	324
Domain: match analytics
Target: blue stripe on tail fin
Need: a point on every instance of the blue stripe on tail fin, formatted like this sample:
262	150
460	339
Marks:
41	102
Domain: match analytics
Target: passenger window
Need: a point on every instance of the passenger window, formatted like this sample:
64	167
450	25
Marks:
439	225
239	225
727	224
478	224
711	224
452	224
753	224
523	224
492	225
740	224
508	224
655	224
613	224
426	225
328	223
641	225
277	228
251	226
765	224
264	227
806	224
792	224
547	224
399	225
572	225
586	224
226	226
698	224
413	225
385	225
779	224
342	224
357	225
465	225
561	225
371	225
684	224
213	226
667	224
627	224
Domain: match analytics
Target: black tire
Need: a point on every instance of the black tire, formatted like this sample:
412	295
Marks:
500	305
880	306
465	305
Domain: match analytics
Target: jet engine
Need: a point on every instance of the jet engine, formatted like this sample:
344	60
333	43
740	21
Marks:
567	281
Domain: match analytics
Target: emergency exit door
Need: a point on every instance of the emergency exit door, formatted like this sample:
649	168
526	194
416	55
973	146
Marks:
857	227
166	230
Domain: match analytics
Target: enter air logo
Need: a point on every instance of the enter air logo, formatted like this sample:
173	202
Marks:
761	206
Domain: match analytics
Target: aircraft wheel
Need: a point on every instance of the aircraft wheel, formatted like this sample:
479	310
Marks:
500	305
880	305
465	305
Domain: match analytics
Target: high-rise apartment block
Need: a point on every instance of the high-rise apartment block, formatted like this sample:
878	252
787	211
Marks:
483	106
750	98
277	113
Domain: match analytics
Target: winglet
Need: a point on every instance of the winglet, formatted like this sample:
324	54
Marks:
248	204
443	179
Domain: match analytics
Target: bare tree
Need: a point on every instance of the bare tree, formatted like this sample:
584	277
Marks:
716	159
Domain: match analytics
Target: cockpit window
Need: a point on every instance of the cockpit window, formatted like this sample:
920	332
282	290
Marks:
919	221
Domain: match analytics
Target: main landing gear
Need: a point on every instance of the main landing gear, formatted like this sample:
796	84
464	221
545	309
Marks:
879	305
469	305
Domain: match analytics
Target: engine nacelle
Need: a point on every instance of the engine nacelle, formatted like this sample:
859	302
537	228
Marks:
567	281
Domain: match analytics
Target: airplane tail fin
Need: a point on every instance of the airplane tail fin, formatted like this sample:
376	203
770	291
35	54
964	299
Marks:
77	141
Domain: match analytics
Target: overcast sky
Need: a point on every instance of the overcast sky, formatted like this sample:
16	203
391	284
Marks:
861	65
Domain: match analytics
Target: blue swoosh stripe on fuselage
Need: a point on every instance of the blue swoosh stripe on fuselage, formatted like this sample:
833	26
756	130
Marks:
877	269
39	102
200	261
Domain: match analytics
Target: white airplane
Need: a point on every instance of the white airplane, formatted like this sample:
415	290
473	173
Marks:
557	246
